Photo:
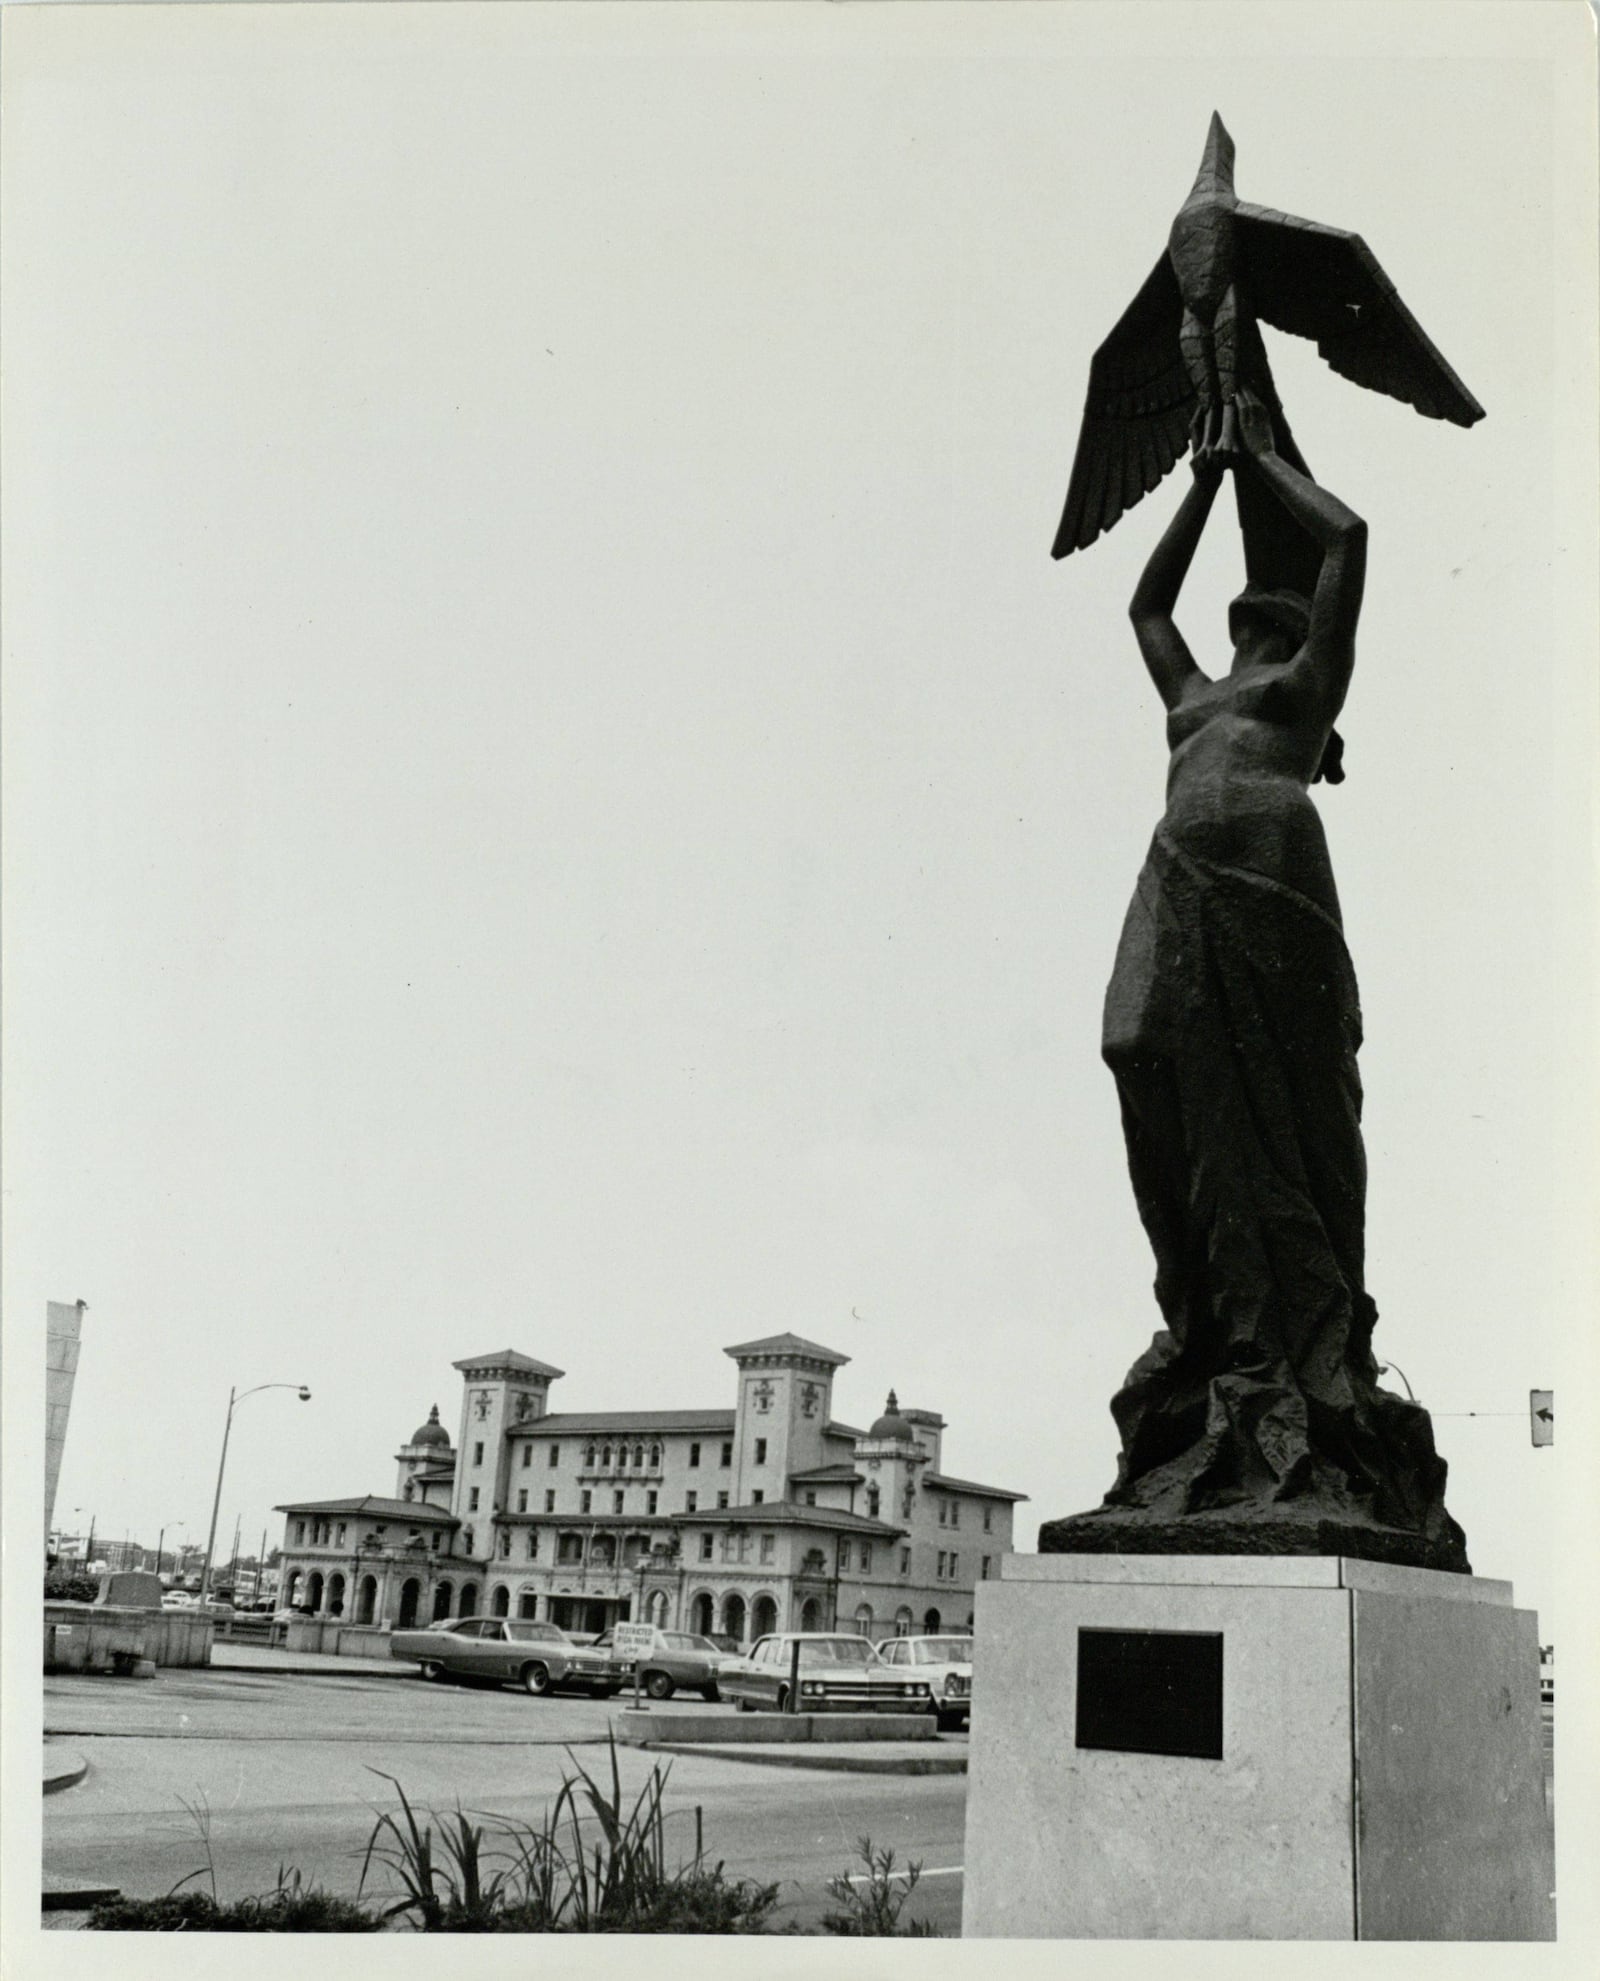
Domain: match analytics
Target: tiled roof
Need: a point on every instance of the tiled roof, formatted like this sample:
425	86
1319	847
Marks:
842	1431
508	1358
827	1475
787	1344
943	1482
378	1509
575	1423
786	1513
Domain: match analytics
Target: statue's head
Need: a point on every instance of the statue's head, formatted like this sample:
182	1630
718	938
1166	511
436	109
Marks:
1261	617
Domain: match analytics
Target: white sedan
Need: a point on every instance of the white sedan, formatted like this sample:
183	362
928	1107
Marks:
946	1663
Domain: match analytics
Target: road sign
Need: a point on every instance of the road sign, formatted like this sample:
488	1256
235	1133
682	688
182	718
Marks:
629	1639
1542	1415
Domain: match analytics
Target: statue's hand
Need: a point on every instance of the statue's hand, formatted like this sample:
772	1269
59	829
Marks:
1255	424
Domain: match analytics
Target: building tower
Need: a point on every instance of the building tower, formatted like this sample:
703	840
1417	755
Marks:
500	1393
426	1464
891	1455
785	1403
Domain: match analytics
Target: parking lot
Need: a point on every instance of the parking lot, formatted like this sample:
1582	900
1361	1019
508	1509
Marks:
274	1768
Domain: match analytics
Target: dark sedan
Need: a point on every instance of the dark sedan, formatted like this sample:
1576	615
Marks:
537	1656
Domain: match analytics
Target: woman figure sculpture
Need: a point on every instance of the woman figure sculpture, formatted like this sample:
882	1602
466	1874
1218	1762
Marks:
1254	1422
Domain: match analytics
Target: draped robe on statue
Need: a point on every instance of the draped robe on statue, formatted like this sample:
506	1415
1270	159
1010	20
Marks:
1232	1024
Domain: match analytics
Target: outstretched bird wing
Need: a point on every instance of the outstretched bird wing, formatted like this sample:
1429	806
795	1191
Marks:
1323	283
1136	417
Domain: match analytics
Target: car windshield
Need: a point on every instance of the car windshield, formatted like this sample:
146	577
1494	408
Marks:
834	1651
944	1651
680	1640
547	1632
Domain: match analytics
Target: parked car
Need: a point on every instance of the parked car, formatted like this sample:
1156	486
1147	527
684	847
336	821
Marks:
537	1656
676	1659
179	1599
946	1663
838	1673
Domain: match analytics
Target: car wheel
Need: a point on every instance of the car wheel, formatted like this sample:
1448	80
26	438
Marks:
536	1679
658	1685
741	1705
431	1669
783	1698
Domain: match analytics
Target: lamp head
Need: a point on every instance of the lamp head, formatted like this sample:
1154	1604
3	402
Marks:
304	1394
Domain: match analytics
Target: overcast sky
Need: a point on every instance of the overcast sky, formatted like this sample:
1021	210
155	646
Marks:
555	796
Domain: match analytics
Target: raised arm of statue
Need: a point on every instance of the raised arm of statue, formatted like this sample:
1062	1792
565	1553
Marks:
1166	652
1329	652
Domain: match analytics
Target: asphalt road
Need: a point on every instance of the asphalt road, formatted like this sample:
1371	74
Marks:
280	1770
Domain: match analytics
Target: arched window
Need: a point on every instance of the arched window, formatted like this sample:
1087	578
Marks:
336	1595
811	1614
902	1621
500	1602
930	1623
763	1616
864	1620
533	1544
442	1597
702	1616
733	1615
655	1457
367	1599
655	1608
638	1454
588	1456
873	1500
527	1603
469	1599
410	1597
605	1457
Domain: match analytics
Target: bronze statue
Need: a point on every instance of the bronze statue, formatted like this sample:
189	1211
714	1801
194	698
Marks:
1170	372
1254	1423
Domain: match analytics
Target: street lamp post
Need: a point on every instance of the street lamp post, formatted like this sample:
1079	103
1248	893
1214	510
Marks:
161	1539
234	1399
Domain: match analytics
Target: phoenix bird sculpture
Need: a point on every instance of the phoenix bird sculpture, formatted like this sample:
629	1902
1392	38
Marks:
1170	373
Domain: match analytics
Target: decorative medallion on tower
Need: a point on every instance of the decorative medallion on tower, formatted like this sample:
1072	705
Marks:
810	1396
761	1394
527	1404
480	1403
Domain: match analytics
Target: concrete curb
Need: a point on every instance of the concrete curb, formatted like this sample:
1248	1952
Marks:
63	1769
639	1729
64	1895
347	1668
801	1754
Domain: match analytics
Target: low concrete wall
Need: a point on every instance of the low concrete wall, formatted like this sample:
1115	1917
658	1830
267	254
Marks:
649	1729
100	1636
331	1638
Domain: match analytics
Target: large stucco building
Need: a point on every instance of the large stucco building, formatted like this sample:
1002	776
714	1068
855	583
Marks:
765	1514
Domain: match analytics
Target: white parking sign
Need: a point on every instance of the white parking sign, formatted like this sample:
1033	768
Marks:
632	1638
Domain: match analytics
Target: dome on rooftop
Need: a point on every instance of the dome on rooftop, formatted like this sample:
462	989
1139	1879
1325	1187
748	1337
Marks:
891	1424
433	1432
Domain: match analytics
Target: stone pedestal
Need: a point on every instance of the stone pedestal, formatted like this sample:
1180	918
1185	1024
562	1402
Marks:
1238	1747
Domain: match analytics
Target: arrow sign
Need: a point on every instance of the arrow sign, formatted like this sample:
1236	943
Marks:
1542	1415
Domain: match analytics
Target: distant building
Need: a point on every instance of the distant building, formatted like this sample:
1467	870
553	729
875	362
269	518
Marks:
763	1515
